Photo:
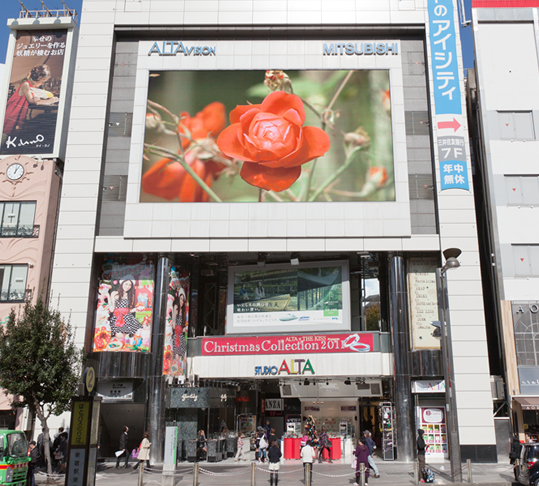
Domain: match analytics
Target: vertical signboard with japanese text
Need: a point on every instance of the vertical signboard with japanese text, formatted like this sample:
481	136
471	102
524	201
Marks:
82	454
36	82
423	299
447	95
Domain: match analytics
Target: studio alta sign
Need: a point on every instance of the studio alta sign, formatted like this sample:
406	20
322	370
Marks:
296	367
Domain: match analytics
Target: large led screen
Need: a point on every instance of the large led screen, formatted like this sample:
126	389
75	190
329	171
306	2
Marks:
303	297
272	136
35	86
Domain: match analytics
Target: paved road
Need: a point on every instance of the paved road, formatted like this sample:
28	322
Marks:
229	473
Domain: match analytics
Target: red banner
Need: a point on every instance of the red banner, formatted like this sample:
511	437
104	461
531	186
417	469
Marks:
504	3
319	343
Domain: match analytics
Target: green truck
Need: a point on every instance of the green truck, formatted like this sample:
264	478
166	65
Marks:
13	458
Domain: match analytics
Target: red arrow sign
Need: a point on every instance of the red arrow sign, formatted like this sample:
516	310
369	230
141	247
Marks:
450	124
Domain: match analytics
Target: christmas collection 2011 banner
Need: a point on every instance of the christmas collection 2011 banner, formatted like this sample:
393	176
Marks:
123	318
177	324
292	344
35	87
269	136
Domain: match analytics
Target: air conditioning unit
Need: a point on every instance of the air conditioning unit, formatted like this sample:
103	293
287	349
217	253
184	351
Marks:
497	387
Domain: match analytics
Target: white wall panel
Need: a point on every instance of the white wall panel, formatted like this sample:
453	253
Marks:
521	289
513	87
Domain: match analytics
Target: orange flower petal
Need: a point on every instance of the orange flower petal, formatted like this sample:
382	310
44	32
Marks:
230	143
163	179
240	110
269	179
280	102
214	118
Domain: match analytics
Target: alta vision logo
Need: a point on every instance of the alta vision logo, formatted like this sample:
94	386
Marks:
173	48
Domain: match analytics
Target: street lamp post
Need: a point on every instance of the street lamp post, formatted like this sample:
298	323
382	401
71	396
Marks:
453	441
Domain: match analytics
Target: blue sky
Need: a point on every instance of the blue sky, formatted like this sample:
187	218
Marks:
11	9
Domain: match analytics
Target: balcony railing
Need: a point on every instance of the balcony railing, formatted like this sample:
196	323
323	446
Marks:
20	232
16	295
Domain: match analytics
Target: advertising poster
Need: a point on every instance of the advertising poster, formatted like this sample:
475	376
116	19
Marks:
123	318
272	136
177	325
34	92
434	424
287	297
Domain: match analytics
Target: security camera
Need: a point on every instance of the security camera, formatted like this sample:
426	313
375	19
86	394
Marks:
437	332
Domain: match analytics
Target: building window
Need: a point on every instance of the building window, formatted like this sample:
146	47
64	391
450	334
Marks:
526	325
13	278
522	190
526	260
17	219
516	125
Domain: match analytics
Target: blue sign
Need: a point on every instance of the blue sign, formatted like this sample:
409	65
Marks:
453	166
443	45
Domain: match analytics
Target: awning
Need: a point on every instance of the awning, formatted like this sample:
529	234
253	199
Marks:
528	402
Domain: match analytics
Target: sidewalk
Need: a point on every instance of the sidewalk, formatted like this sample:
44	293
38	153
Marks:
230	473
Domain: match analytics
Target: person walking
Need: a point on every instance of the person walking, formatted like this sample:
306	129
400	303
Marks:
362	457
40	450
516	447
371	445
421	448
55	444
62	453
324	443
274	457
263	447
34	454
202	446
123	448
272	437
239	453
307	454
144	451
267	429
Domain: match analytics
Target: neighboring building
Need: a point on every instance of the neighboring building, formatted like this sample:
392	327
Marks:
503	93
32	151
286	298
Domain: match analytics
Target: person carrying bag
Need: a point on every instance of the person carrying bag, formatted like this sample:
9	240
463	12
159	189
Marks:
144	451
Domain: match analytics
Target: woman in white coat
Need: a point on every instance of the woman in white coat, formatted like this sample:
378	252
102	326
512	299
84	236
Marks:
144	451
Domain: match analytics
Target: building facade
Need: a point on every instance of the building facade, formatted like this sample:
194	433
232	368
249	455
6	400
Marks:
36	94
502	100
255	200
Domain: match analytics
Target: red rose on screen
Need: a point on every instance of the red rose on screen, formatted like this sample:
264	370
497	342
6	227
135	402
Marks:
377	175
208	122
169	180
272	142
166	178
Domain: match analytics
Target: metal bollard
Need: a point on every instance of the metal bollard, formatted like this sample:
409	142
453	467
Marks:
416	472
308	466
195	474
253	474
469	466
362	474
140	473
